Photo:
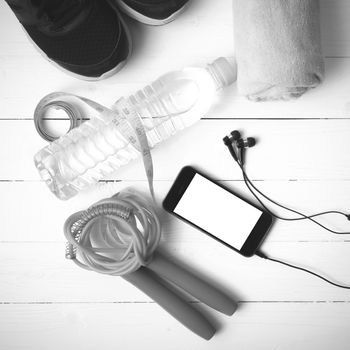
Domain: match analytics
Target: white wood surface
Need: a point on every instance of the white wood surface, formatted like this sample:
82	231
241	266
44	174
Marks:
302	159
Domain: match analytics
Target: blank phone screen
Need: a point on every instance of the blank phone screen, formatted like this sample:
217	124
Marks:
217	211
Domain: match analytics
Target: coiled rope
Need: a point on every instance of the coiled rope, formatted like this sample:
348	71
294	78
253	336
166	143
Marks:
115	236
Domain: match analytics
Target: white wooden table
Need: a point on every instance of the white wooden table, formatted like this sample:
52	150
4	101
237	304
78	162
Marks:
302	159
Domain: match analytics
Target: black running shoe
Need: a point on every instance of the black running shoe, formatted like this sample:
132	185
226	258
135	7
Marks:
86	38
153	12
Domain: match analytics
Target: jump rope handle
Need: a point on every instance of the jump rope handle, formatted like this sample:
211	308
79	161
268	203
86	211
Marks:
194	285
185	313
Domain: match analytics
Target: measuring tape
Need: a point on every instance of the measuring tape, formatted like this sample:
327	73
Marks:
73	113
122	115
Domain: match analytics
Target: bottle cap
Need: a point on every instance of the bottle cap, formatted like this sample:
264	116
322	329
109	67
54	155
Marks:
225	72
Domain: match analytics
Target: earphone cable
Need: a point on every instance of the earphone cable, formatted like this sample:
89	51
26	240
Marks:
264	256
250	185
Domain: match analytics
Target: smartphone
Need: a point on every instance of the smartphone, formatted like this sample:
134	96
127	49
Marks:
217	211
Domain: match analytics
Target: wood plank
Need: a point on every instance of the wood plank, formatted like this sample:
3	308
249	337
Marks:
133	326
286	149
38	272
42	215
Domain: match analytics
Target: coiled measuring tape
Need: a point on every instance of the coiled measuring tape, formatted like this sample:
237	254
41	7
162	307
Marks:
73	112
123	116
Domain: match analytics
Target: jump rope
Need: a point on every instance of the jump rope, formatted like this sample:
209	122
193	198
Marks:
237	145
119	236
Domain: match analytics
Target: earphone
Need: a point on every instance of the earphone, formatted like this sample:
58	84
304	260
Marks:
236	140
237	145
230	140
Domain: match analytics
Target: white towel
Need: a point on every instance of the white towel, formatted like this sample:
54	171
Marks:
278	48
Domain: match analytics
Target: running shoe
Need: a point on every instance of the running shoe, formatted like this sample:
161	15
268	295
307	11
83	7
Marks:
86	38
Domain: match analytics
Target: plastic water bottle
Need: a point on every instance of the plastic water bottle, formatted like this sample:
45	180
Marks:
97	148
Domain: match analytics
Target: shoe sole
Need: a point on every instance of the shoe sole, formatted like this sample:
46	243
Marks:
105	75
148	20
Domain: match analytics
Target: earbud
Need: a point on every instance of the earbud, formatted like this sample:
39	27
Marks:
235	140
249	142
231	140
235	135
242	144
228	142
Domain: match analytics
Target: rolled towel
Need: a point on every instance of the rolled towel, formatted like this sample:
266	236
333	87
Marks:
278	48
